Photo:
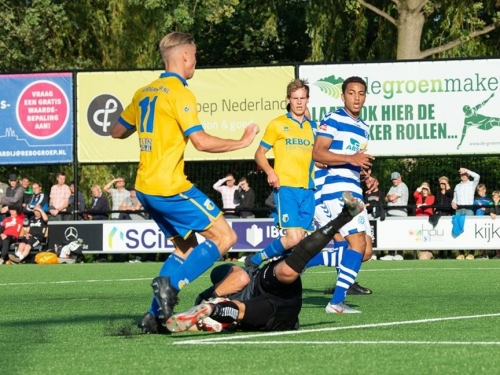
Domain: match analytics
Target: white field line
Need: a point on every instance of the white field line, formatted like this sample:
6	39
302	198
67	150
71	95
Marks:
485	343
329	271
227	339
311	270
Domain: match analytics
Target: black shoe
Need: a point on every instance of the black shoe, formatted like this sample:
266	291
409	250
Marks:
358	289
165	295
151	325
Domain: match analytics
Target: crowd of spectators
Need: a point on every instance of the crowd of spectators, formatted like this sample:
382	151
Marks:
20	198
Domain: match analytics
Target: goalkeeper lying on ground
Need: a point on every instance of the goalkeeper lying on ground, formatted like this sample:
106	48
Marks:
265	299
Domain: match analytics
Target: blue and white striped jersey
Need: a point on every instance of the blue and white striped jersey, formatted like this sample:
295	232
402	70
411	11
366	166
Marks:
348	136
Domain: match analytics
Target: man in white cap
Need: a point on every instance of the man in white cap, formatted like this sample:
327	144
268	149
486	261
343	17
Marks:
397	196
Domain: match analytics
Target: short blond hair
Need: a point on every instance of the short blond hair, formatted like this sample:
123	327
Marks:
295	85
172	40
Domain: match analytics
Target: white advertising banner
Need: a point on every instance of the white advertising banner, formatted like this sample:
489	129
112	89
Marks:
416	233
418	108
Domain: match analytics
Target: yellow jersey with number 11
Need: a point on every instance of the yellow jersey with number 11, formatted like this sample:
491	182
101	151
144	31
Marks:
164	113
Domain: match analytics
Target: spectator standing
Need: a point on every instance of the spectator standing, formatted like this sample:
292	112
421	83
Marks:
27	191
444	197
33	234
131	204
246	196
13	195
59	198
397	196
38	198
463	199
99	209
79	206
3	189
118	194
10	231
481	200
374	198
494	211
424	200
226	187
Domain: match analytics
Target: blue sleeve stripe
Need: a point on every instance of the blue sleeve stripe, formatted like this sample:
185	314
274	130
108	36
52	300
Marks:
193	129
266	145
337	145
124	123
348	128
321	134
339	179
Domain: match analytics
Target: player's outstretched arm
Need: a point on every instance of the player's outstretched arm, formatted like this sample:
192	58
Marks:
205	142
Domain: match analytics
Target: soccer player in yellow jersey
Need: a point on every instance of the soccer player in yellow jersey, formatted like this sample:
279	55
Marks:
291	136
165	117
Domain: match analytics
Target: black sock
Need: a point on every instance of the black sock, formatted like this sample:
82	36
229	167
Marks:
225	312
314	243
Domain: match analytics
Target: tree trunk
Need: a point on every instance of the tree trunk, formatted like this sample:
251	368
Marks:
410	26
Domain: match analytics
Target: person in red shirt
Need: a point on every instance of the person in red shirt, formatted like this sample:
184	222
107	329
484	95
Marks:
424	200
10	229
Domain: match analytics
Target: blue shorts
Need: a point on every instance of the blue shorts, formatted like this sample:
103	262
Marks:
295	208
181	214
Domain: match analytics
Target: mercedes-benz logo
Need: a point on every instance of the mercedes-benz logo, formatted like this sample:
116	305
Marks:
71	234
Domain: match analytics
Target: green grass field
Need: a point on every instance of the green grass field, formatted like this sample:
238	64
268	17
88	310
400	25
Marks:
424	317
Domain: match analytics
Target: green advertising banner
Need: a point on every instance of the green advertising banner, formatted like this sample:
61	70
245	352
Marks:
418	108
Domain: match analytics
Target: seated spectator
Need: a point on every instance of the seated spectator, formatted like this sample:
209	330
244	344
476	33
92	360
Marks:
38	198
34	234
481	200
424	200
131	203
246	196
99	209
79	205
444	197
10	229
13	195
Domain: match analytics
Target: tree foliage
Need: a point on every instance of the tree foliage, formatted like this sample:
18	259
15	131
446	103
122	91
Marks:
402	29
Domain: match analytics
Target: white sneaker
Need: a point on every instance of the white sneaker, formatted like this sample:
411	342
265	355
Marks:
242	259
387	257
398	257
340	308
374	257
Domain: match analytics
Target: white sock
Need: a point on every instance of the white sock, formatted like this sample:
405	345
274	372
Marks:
17	254
20	257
